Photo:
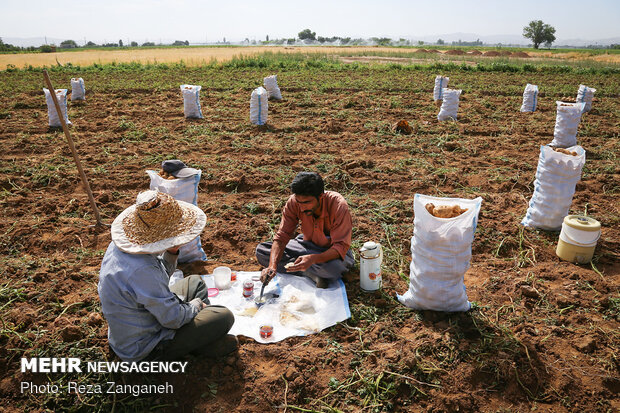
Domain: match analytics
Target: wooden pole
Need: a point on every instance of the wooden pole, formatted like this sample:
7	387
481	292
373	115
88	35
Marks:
93	204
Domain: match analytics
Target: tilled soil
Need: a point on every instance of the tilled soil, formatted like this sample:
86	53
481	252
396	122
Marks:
543	333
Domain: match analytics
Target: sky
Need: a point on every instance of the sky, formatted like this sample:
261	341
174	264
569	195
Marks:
211	21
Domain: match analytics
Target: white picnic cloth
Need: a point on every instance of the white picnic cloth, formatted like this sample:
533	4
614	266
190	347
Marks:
300	309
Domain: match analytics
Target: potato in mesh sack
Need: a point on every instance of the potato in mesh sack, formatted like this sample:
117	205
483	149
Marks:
444	211
565	151
166	175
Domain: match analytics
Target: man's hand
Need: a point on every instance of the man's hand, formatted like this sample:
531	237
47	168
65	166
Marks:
302	263
198	304
267	275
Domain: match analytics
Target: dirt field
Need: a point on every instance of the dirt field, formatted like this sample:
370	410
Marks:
543	335
195	56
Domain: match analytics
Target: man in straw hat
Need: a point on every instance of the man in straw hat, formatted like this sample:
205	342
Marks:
321	252
146	318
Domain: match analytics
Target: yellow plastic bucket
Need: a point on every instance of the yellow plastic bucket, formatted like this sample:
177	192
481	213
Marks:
578	239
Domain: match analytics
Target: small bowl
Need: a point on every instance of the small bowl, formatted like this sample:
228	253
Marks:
212	292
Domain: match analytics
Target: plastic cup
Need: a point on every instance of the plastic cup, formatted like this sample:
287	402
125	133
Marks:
221	276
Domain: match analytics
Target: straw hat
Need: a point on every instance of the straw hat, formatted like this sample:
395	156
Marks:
156	223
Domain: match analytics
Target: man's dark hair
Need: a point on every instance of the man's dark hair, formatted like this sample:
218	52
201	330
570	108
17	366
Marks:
308	184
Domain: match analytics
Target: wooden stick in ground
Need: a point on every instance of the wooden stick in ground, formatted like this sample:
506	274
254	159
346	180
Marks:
73	151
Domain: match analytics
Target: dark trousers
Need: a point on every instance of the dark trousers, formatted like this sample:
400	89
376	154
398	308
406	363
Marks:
200	335
331	270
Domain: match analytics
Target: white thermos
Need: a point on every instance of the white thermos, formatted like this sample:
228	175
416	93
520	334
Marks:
371	256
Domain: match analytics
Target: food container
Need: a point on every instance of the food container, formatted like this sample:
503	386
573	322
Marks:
371	256
578	239
266	331
248	289
221	277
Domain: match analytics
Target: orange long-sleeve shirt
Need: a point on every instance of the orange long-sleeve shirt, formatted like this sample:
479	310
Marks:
332	228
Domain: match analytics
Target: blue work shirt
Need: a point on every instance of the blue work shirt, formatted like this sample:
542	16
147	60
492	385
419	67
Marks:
137	303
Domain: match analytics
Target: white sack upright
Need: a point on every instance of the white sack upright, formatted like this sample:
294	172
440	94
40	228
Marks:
585	95
530	98
259	105
61	95
440	83
182	189
191	101
271	85
450	104
556	177
566	124
78	92
440	255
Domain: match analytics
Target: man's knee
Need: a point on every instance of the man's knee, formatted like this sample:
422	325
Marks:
214	317
263	252
228	318
331	270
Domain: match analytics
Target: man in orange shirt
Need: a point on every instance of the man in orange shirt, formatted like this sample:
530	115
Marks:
321	252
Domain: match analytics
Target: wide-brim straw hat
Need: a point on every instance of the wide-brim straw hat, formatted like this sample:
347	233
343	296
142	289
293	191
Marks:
156	223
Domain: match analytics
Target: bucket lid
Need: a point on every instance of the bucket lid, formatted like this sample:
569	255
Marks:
582	223
370	245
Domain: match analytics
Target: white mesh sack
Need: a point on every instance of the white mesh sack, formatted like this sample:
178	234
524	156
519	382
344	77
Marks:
191	101
585	95
61	95
556	177
271	84
440	255
259	103
530	98
449	105
78	92
182	189
440	83
566	124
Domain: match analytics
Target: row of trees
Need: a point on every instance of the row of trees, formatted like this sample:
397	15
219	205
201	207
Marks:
5	47
71	44
537	31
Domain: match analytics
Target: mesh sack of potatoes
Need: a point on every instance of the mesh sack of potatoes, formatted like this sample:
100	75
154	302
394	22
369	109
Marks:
585	95
449	105
440	253
271	85
52	113
191	101
259	104
441	82
78	91
181	189
557	175
530	98
566	124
